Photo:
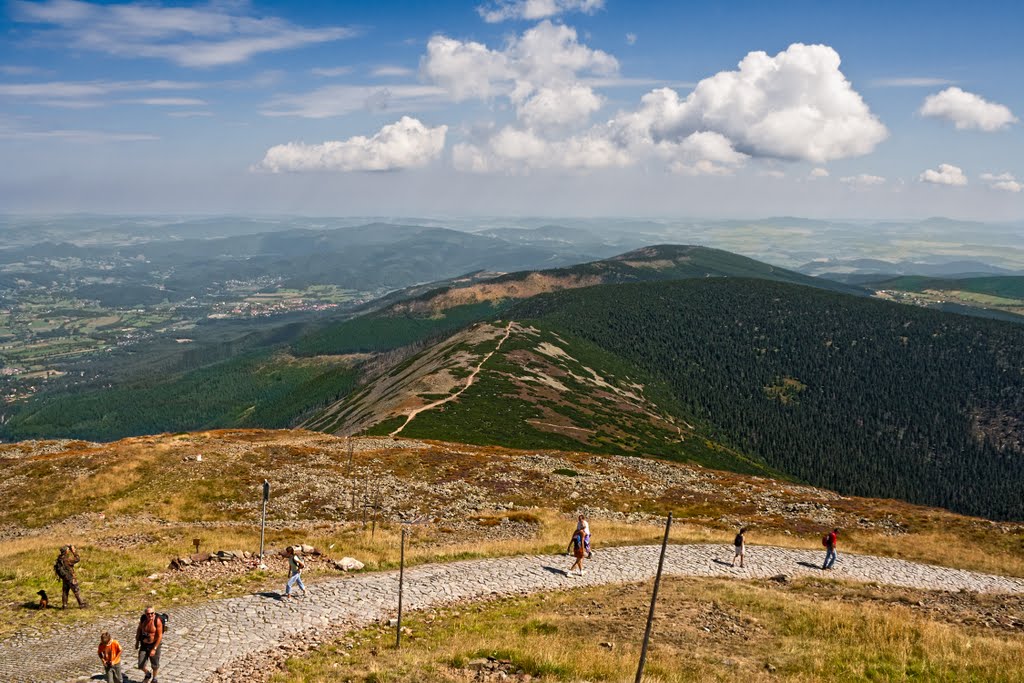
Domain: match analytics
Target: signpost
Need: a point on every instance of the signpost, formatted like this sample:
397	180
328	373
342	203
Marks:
263	527
654	599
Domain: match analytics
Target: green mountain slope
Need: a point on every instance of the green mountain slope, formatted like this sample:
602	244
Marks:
519	386
423	315
862	396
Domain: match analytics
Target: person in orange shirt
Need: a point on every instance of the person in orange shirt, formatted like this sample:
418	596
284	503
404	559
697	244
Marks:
110	654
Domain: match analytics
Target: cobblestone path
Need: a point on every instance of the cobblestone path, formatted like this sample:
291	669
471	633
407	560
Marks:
203	637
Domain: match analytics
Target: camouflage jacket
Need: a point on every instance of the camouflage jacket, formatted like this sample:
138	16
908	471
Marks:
65	567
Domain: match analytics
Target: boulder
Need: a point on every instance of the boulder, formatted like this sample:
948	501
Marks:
348	564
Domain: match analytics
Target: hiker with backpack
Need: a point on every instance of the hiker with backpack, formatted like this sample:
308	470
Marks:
295	567
740	544
577	548
830	541
64	567
583	526
148	639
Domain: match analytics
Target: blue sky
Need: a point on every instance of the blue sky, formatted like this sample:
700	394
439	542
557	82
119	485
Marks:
560	107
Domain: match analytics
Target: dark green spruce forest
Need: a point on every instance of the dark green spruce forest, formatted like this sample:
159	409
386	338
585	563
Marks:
858	395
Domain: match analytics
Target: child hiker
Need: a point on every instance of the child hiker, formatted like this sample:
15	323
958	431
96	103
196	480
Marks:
110	654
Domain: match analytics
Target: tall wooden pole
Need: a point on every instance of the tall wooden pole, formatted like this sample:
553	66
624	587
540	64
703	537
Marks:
654	599
351	484
263	525
401	585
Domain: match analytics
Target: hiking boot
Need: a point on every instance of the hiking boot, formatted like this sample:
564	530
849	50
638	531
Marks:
147	677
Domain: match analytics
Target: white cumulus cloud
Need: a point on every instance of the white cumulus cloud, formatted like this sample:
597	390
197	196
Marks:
547	55
818	173
795	105
517	150
559	106
946	174
503	10
967	110
863	180
1003	181
406	143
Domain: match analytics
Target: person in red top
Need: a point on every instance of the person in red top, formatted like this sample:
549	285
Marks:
830	542
148	638
110	654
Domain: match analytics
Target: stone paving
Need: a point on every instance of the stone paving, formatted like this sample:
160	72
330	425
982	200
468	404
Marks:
203	637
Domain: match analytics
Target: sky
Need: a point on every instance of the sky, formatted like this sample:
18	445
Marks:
514	107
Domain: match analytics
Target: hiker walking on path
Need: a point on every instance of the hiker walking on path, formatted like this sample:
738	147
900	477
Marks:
295	567
110	654
740	543
148	639
576	549
583	526
65	570
830	541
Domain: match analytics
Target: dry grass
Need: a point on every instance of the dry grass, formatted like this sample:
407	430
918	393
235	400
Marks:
707	630
133	505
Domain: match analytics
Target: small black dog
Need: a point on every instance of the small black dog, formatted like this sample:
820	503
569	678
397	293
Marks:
44	600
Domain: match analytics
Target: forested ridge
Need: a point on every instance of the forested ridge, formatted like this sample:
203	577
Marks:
862	396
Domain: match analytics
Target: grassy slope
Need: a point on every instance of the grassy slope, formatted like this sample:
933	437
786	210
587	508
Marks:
132	505
704	630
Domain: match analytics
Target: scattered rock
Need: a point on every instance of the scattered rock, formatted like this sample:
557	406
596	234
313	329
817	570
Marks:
348	564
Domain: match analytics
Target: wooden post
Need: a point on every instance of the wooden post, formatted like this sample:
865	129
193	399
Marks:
654	599
263	526
401	585
376	507
366	498
351	484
